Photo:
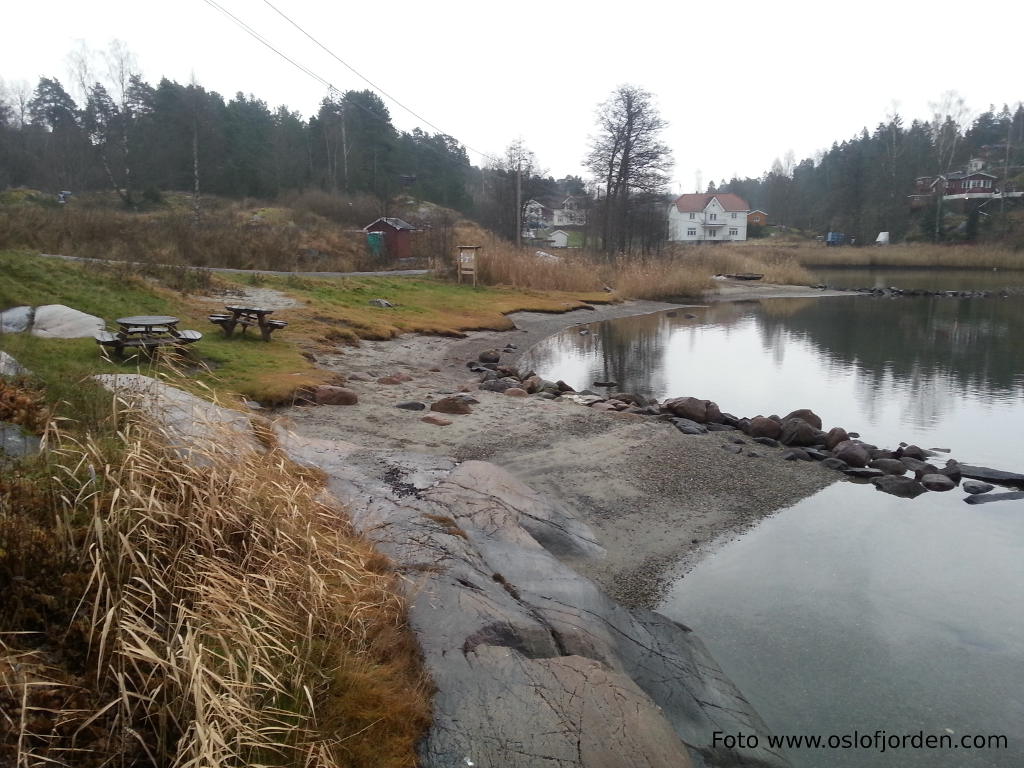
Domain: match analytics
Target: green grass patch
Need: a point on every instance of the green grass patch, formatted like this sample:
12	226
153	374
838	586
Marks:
334	311
422	305
266	372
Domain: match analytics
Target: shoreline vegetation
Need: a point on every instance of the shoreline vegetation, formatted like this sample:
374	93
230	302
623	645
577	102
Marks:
208	641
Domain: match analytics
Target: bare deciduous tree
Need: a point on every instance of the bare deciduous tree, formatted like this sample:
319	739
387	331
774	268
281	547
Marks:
628	157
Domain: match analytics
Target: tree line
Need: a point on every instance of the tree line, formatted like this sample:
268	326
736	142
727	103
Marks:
862	186
123	134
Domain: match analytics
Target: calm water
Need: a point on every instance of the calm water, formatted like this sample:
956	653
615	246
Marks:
854	609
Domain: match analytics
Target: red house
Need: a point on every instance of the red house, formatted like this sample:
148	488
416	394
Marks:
968	183
397	236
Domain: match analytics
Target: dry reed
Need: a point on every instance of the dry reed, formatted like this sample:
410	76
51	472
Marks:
228	618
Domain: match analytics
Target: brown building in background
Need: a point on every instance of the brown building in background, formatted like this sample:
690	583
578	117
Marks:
757	218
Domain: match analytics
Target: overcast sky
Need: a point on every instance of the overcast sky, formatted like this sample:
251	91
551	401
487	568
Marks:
739	82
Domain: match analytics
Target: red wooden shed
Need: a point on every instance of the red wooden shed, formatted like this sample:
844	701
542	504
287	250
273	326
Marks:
397	236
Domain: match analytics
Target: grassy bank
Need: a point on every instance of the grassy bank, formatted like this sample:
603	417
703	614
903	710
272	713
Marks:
161	612
331	311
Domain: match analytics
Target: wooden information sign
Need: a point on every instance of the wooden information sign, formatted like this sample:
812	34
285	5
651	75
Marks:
467	261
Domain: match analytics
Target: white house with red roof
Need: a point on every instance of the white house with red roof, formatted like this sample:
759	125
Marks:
712	217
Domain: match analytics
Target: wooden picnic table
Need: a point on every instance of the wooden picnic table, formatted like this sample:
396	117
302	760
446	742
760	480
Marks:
146	333
245	317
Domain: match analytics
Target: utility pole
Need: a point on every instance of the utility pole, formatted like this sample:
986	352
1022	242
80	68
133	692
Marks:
519	199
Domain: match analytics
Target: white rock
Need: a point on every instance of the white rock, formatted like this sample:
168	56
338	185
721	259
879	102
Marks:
15	320
55	321
11	367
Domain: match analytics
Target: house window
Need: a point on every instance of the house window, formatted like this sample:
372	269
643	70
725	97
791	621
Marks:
711	233
691	232
733	231
712	216
732	215
757	219
693	215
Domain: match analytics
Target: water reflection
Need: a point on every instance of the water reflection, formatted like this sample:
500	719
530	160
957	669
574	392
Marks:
893	368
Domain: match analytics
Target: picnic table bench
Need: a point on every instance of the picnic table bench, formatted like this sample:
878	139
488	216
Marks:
245	317
144	333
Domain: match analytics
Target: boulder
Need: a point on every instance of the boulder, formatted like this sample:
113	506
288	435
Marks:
439	421
796	431
816	454
936	482
516	392
987	497
499	385
918	467
389	380
806	414
412	405
770	442
532	384
760	426
16	443
451	405
330	395
563	387
795	454
897	485
489	356
952	471
889	466
976	486
863	473
11	367
382	303
713	427
701	411
835	436
732	448
992	475
912	451
834	463
55	321
853	453
689	427
628	397
15	320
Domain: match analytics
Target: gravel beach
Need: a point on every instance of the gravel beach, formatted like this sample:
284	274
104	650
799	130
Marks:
658	499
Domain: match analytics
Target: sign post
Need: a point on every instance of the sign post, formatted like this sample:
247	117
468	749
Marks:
467	262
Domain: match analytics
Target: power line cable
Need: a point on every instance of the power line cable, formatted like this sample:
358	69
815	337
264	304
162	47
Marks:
333	89
367	80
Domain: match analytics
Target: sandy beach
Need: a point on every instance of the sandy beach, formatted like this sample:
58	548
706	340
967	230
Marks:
658	499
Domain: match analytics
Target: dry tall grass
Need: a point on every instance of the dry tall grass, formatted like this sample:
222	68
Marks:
200	614
228	236
679	272
911	255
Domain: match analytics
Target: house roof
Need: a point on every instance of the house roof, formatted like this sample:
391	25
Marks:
391	222
966	175
758	210
697	202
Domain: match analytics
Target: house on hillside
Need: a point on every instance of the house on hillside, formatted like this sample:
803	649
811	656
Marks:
967	183
758	218
536	215
570	213
397	236
712	217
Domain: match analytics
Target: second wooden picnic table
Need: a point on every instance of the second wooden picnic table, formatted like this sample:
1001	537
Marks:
246	316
